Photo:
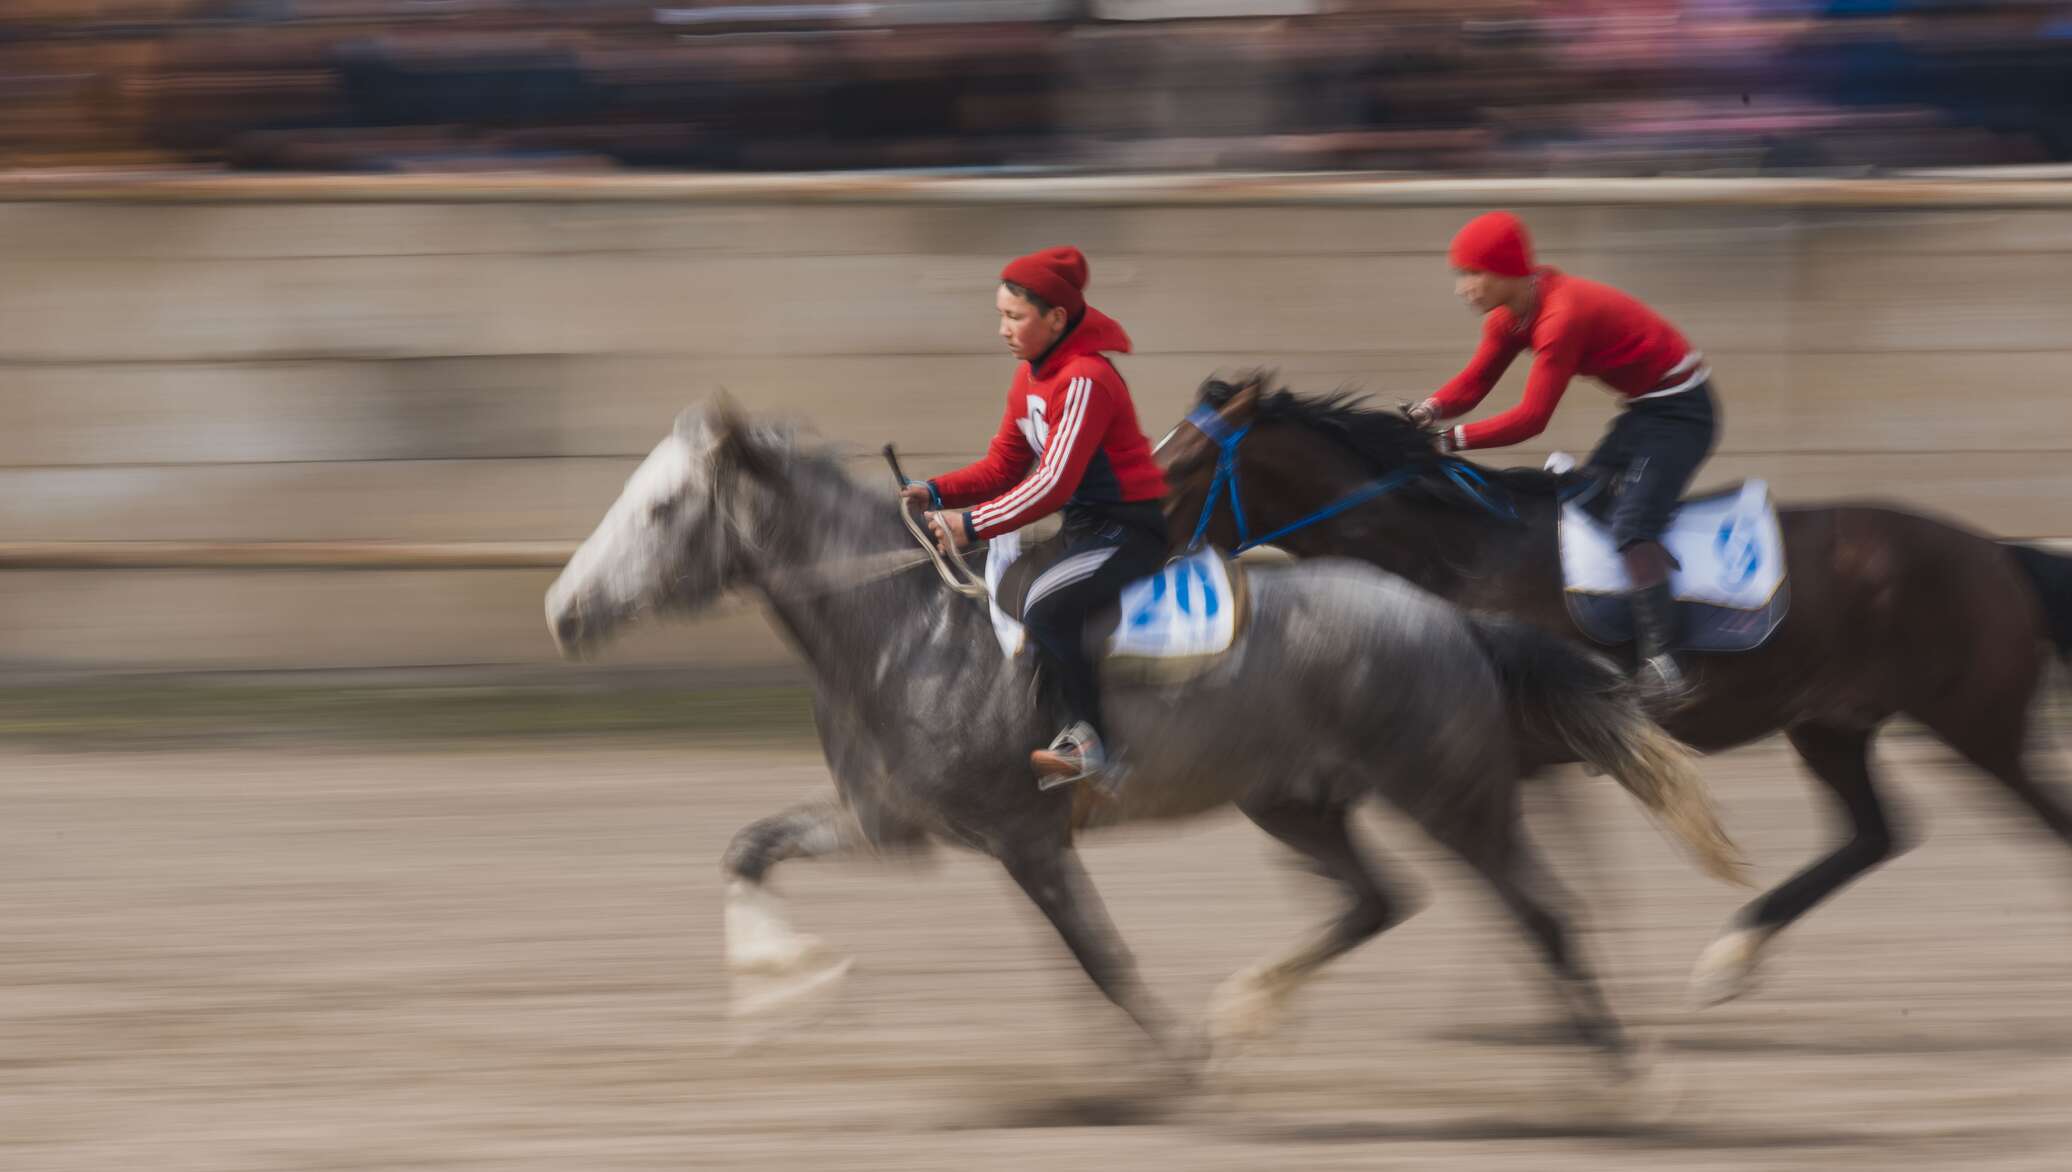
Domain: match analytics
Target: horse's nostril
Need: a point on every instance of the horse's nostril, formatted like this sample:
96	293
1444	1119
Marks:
568	629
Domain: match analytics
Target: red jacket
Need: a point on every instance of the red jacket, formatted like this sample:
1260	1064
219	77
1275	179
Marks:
1580	327
1070	434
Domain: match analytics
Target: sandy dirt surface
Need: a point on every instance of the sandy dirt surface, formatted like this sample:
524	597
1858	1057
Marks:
277	959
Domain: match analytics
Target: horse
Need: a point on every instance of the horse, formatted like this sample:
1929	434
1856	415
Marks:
1347	683
1891	612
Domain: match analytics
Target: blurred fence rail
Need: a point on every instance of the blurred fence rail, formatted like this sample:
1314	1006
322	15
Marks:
1214	189
421	390
284	555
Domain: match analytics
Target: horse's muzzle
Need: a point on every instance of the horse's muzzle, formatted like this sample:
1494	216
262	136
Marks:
568	635
573	637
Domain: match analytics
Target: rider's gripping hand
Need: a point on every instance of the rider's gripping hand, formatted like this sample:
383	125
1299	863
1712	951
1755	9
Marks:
952	530
918	493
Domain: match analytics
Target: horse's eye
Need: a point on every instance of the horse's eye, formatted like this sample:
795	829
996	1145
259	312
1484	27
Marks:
660	510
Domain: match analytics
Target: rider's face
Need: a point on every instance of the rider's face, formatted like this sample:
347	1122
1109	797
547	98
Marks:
1026	332
1481	291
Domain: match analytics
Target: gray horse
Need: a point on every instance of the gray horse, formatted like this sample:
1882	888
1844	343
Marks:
1348	683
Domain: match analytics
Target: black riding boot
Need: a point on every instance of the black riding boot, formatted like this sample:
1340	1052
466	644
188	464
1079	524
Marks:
1660	677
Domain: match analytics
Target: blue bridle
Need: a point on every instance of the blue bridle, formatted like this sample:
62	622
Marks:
1205	419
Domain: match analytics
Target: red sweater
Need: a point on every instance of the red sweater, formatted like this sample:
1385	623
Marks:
1580	327
1070	434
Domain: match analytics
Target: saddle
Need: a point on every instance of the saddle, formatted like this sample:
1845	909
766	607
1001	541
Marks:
1165	628
1730	580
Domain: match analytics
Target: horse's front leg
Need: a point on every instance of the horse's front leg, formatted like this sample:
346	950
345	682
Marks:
1056	882
773	964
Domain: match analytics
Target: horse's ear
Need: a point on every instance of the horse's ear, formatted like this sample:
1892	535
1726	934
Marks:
1245	403
689	422
739	440
727	416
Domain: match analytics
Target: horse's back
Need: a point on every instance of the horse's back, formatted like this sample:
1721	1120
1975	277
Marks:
1358	636
1380	603
1891	604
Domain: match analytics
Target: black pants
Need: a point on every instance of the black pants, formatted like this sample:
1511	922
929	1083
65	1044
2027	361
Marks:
1649	457
1102	554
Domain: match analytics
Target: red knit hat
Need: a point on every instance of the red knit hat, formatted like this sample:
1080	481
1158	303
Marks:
1058	275
1494	242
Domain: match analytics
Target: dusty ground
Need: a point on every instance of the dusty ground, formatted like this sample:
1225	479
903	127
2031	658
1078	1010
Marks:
297	959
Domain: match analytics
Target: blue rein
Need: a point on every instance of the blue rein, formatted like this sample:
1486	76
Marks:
1227	438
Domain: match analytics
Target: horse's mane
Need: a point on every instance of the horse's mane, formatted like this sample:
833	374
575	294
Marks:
1383	441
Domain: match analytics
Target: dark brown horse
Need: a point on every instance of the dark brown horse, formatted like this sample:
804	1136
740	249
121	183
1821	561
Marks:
1891	612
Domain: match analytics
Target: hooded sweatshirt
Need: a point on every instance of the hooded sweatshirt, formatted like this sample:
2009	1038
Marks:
1069	438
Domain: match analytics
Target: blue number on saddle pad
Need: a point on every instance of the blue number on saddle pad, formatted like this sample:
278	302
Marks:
1185	610
1179	580
1740	551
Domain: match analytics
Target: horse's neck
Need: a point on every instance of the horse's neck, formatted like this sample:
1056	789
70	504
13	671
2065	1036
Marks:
1447	550
858	637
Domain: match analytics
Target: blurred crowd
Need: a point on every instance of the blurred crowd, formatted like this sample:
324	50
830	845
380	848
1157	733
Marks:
1487	86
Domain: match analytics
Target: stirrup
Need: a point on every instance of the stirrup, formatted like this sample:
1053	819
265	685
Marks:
1075	755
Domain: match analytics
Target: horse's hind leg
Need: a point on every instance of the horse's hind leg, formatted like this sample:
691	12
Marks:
2044	796
1057	884
1996	733
1249	1004
1495	846
1840	758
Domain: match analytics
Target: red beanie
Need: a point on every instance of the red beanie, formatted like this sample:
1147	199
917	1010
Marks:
1058	275
1494	242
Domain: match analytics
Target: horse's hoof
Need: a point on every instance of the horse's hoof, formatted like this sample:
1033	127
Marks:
1727	967
1247	1008
1646	1095
1185	1060
760	940
772	995
779	956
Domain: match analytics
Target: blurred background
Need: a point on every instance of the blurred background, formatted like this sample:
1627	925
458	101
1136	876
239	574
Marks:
1529	87
327	327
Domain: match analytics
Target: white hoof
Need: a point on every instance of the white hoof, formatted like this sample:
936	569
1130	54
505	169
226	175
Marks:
798	994
759	940
1248	1007
779	975
1727	967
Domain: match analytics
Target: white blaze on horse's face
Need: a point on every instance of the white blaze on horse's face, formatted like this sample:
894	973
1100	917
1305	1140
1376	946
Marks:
641	554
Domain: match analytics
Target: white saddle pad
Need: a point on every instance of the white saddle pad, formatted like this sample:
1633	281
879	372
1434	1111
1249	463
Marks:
1730	547
1186	610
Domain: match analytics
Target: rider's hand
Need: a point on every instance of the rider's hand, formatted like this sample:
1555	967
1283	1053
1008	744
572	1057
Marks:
948	528
1424	413
917	494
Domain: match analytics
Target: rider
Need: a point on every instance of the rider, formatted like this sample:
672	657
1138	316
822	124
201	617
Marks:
1573	327
1069	440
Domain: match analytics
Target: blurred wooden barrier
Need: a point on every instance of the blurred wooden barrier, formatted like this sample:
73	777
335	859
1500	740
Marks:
414	394
284	555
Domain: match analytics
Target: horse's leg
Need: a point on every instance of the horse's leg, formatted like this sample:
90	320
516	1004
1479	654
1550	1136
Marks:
1496	847
2013	768
1992	727
773	963
1839	757
1057	884
1249	1005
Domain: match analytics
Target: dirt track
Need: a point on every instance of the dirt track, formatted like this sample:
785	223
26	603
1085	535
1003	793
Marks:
279	960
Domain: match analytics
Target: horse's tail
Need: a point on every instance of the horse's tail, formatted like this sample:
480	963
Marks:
1582	702
2051	574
